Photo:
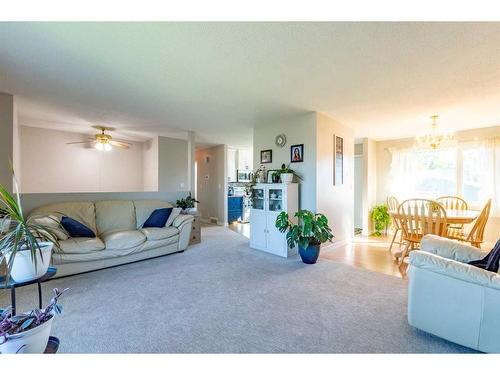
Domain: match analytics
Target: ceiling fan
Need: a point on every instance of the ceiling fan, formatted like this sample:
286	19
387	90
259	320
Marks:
102	141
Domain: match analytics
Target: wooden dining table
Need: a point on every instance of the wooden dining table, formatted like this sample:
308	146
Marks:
454	217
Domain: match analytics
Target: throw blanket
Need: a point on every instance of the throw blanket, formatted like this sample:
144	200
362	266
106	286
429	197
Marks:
490	261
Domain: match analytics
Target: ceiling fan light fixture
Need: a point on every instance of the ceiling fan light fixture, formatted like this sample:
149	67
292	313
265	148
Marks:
99	146
107	147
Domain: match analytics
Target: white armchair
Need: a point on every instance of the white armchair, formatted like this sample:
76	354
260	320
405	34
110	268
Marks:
451	299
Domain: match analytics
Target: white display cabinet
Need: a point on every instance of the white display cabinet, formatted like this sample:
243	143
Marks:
267	201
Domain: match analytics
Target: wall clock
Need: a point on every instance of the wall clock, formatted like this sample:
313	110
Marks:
280	140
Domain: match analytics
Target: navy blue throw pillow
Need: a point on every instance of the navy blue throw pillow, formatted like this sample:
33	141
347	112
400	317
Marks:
491	261
158	218
75	228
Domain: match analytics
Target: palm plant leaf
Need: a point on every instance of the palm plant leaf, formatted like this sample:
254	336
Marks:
20	233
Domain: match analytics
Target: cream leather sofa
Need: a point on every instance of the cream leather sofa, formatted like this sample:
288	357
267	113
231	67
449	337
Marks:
451	299
120	237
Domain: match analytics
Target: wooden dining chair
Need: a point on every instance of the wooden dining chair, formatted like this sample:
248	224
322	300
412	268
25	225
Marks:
475	236
451	202
418	217
392	205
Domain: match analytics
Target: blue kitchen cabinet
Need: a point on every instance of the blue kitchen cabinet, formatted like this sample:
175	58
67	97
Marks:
234	208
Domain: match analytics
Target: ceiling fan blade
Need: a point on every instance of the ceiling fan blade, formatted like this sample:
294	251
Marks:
119	144
75	143
124	142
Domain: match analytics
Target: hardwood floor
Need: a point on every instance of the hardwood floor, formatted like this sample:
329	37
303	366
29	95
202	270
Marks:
369	253
241	228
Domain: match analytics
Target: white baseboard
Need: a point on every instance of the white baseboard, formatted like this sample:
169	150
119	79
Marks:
337	244
212	221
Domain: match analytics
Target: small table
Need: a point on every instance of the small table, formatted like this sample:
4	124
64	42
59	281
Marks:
12	285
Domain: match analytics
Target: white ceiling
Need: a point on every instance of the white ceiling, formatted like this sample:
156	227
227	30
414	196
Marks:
219	79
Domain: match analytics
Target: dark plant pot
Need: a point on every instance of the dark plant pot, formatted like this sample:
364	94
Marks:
310	254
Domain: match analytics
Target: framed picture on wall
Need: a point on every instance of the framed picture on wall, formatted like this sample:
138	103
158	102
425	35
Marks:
266	156
296	153
338	160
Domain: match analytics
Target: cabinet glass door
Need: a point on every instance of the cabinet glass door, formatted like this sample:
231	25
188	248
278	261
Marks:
275	199
258	199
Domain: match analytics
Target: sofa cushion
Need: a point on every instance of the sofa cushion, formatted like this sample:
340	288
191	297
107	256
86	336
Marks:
114	216
53	223
158	218
173	215
80	245
143	209
84	212
123	239
155	234
75	228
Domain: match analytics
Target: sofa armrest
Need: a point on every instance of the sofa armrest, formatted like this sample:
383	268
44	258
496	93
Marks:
450	249
181	219
452	268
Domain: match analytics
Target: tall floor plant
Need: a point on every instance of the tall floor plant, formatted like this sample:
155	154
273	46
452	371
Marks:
18	233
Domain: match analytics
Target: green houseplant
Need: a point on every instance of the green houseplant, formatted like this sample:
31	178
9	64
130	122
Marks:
286	174
25	243
381	219
187	202
309	233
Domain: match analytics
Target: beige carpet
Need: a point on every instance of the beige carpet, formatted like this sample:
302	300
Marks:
222	297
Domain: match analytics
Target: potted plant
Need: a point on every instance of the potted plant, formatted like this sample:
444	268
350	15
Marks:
286	174
25	244
381	219
187	203
28	332
255	177
309	233
276	177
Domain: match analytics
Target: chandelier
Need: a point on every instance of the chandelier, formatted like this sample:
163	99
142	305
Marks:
435	139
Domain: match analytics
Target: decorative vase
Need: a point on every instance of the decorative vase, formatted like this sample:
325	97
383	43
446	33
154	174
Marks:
310	254
23	267
33	341
286	178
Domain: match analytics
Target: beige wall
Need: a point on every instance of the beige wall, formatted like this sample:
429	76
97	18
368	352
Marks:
7	119
299	129
212	183
150	164
383	161
369	182
173	156
49	165
317	192
336	202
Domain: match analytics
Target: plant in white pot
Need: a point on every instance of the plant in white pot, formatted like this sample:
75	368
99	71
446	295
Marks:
187	204
25	243
286	174
28	332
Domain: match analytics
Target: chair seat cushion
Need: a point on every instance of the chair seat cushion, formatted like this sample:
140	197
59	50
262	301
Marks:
123	239
80	245
155	234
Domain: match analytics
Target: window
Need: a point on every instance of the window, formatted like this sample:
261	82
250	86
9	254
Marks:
436	173
470	170
472	173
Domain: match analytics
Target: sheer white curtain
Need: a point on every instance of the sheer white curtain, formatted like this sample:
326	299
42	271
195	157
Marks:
405	175
491	173
402	182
